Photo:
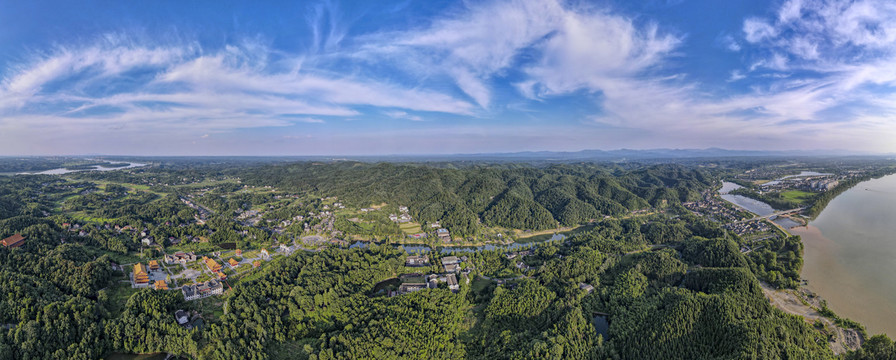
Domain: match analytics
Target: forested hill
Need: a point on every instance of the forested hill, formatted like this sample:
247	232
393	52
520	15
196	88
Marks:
518	197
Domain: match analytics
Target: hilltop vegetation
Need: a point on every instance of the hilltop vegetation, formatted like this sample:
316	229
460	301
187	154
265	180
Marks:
671	284
511	197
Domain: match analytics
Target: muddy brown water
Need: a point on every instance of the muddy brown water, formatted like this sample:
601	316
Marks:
850	254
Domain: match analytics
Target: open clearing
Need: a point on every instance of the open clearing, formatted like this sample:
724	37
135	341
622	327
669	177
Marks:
791	303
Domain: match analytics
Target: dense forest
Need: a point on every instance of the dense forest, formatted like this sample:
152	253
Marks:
668	285
517	197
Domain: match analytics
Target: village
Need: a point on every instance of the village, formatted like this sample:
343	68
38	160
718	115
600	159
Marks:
713	207
752	231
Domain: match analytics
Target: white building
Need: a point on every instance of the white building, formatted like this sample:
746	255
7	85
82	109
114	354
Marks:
202	290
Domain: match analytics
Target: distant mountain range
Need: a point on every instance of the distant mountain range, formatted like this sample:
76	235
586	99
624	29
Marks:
619	155
616	155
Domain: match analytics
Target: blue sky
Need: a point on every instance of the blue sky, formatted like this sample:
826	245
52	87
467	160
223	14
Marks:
428	77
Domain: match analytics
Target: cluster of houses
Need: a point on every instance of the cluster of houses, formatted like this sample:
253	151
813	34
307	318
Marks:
818	183
450	264
824	184
249	217
519	255
749	227
326	225
402	217
146	239
202	213
337	205
714	208
82	230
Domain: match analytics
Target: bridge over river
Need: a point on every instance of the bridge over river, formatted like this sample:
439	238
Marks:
774	214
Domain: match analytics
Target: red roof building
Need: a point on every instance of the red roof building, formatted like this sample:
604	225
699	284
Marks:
13	241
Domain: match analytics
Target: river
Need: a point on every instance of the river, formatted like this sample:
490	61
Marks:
61	171
754	206
850	254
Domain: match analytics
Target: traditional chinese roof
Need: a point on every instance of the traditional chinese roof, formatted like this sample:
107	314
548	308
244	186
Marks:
13	241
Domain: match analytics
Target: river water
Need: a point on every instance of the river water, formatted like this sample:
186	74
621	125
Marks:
850	254
61	171
754	206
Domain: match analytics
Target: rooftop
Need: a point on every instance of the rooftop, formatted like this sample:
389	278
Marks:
13	241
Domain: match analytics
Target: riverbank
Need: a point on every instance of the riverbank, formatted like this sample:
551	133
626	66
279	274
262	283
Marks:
806	304
822	201
805	301
844	292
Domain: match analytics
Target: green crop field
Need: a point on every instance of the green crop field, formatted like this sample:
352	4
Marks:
410	228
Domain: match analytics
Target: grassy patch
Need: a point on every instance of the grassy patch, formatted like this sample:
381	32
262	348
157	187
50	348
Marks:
797	195
83	216
119	295
410	228
203	278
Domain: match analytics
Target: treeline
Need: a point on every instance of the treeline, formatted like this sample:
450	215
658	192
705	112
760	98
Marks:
519	197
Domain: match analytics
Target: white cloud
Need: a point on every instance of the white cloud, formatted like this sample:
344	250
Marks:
790	10
728	42
568	49
736	75
240	86
756	30
594	49
811	58
402	115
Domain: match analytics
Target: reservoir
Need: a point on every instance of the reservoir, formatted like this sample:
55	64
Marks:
850	254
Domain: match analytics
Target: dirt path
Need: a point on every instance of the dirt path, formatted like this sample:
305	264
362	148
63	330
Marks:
790	302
